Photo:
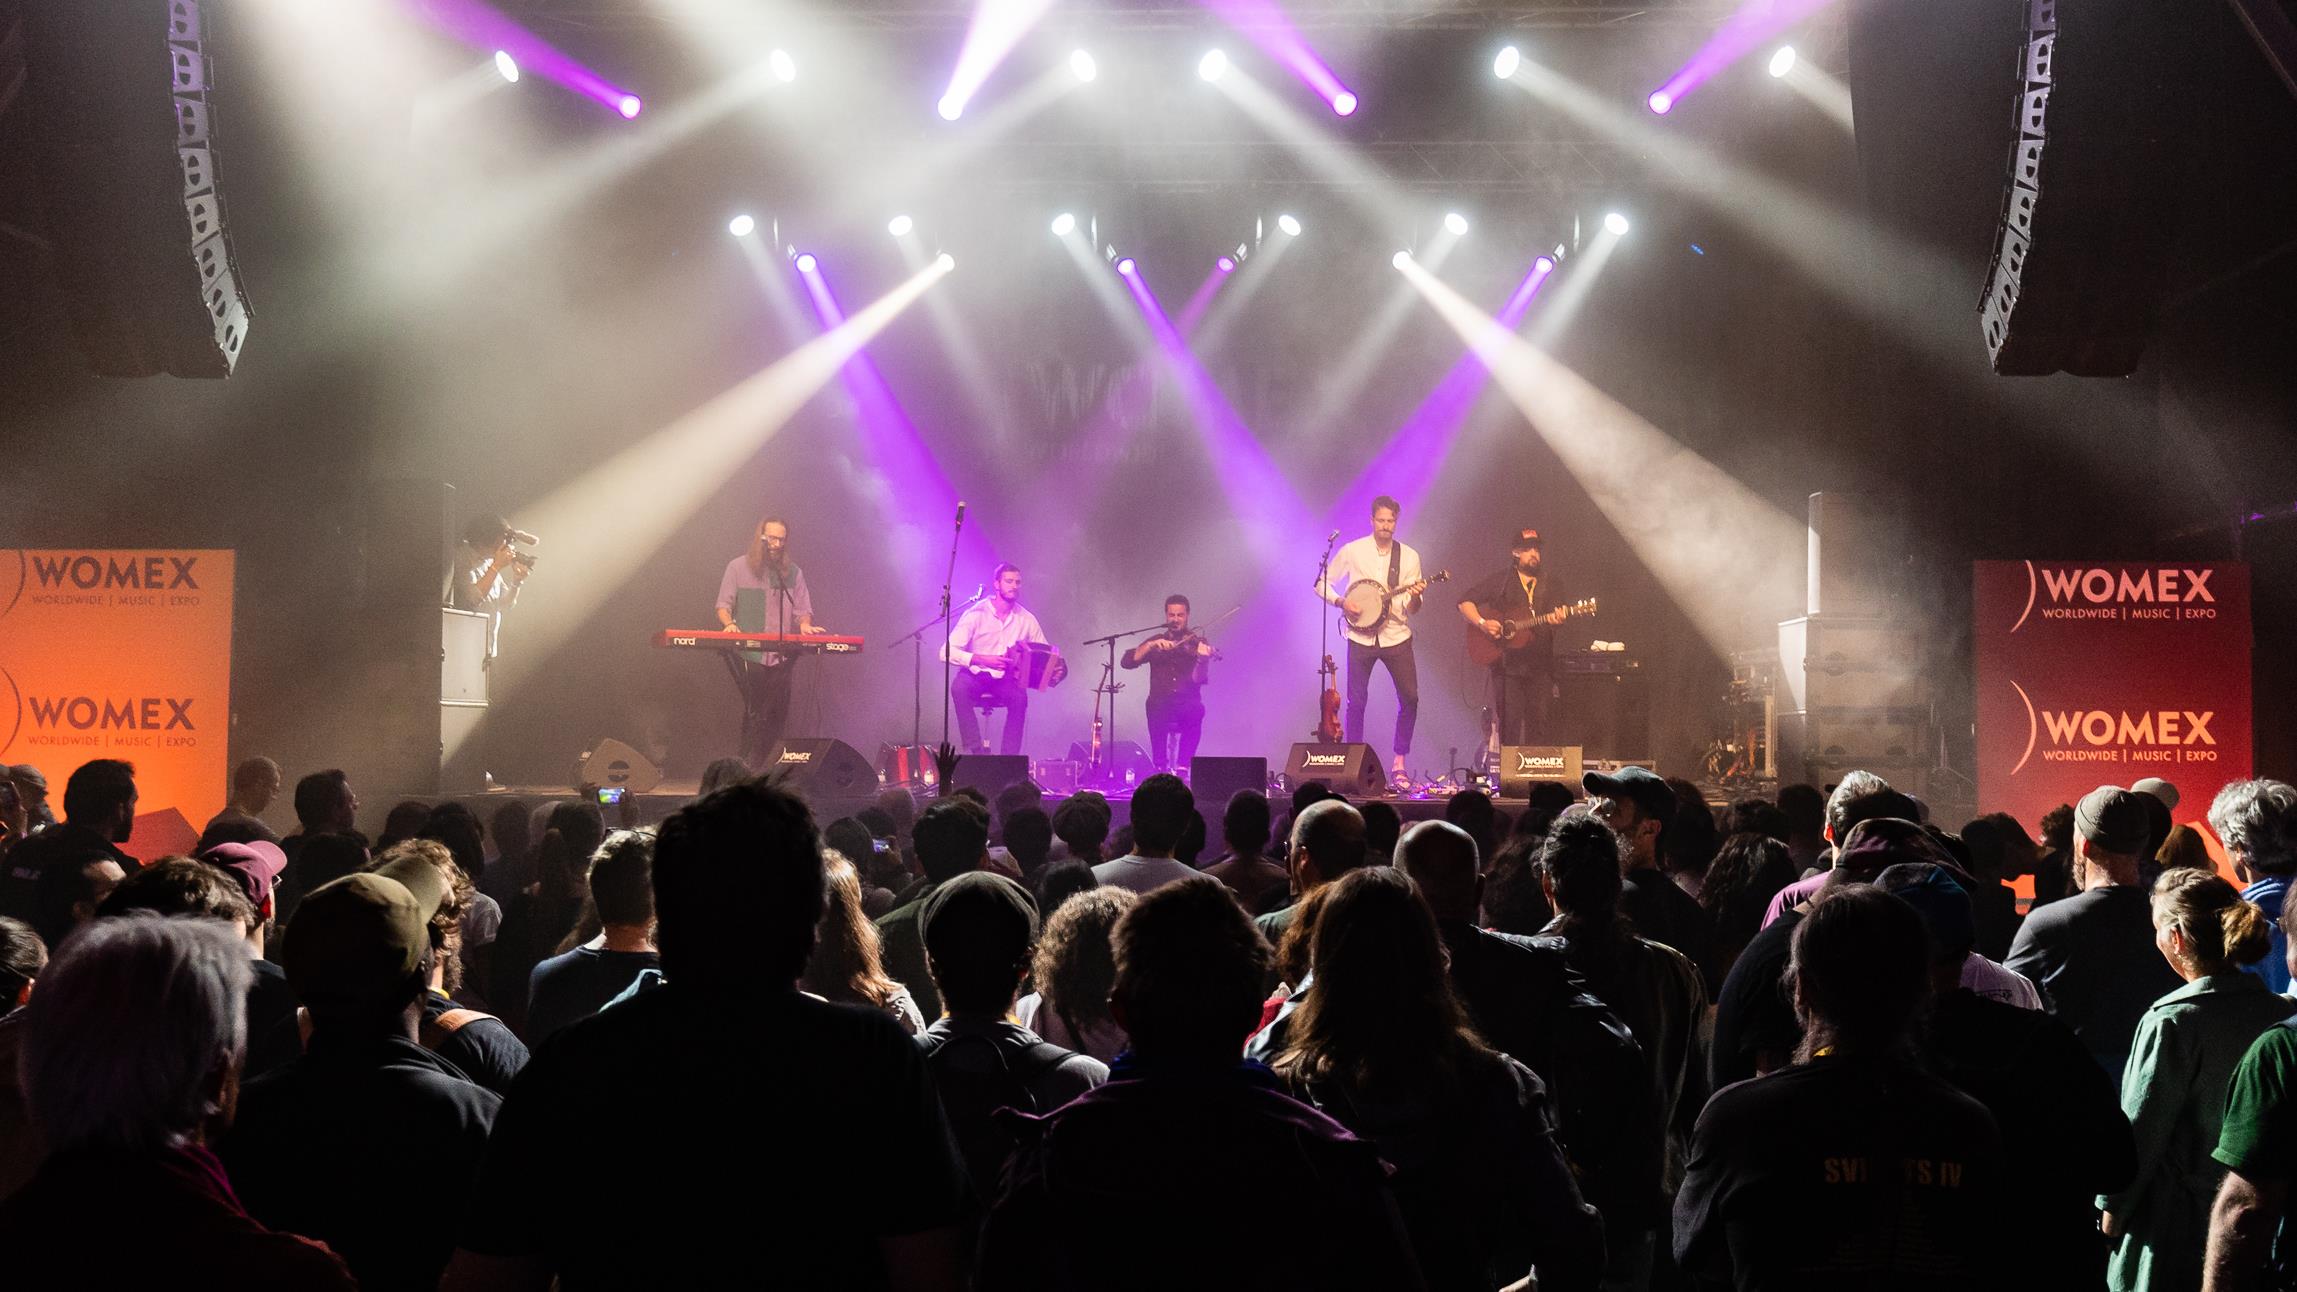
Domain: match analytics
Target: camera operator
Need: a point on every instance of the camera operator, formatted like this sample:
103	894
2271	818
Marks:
488	569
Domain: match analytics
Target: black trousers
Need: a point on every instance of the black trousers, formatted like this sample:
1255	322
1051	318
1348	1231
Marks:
1174	717
765	709
1402	670
969	689
1526	706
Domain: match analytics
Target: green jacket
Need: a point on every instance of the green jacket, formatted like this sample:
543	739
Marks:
2173	1092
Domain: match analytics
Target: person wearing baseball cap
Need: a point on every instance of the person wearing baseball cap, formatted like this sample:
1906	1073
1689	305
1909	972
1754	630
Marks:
367	1141
1637	804
1523	676
2092	954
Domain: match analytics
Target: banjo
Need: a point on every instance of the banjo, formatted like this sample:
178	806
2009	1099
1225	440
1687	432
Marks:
1366	604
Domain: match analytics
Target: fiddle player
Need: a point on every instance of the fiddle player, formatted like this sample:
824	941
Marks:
1178	661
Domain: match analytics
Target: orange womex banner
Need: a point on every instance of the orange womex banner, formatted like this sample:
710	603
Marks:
2104	673
120	655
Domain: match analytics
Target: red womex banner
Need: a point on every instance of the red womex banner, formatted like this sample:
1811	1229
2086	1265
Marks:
119	654
2102	673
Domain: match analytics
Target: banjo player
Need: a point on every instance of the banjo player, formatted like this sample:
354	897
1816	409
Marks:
1376	581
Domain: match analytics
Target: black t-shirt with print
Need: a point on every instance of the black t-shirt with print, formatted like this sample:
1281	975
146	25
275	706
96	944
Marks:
1843	1173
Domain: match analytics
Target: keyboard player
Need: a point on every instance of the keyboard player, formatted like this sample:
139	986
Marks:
764	591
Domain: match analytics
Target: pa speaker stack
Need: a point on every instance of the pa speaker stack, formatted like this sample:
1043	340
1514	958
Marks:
2107	92
121	94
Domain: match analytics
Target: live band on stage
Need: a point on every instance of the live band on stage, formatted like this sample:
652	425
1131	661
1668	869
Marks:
996	652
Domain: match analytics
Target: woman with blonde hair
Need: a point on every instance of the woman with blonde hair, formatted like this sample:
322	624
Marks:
1075	968
845	968
2173	1088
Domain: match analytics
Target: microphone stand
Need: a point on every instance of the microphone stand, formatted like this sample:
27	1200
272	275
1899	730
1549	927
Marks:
947	579
1324	636
1110	686
916	639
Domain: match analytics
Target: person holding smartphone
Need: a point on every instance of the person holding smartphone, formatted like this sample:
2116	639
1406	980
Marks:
764	591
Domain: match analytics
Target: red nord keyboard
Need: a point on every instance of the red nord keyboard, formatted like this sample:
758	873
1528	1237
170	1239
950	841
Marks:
720	639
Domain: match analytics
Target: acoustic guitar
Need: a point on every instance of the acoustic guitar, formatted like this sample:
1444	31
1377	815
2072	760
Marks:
1517	628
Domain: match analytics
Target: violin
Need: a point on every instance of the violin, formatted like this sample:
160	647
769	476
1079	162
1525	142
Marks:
1328	723
1193	642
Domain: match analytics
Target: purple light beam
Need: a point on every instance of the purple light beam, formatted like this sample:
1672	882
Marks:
1756	24
1407	466
1264	24
917	491
484	28
1261	497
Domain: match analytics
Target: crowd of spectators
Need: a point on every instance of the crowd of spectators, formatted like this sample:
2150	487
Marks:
1618	1039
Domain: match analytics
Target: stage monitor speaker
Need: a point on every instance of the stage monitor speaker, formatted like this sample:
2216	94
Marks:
990	773
1123	763
2105	102
610	762
1521	765
121	104
828	768
1349	769
1214	781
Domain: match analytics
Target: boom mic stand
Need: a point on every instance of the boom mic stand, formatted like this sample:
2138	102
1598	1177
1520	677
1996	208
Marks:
1109	687
916	639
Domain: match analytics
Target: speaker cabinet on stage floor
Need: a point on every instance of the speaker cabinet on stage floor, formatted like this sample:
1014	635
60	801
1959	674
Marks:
1520	766
990	773
1608	713
1350	769
1119	758
610	762
818	767
1214	781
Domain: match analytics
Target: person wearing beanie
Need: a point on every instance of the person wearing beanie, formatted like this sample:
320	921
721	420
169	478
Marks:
2061	1124
979	931
368	1141
2174	1089
2089	954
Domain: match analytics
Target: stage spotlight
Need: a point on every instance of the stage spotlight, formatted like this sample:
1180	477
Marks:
1509	59
1783	62
1343	104
1615	224
741	226
1082	64
946	261
1456	224
1225	264
1213	65
899	226
1064	224
806	262
506	65
1126	266
949	108
1290	226
784	68
629	106
1661	102
1400	259
1543	265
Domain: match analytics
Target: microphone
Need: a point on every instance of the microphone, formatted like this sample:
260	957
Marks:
960	515
521	536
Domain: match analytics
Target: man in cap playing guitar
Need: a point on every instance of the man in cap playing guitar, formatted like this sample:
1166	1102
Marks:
1376	581
1515	620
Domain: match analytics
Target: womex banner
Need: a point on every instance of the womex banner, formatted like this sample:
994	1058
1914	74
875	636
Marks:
2096	674
121	655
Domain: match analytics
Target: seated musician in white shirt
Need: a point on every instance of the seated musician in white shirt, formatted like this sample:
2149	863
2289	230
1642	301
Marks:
984	645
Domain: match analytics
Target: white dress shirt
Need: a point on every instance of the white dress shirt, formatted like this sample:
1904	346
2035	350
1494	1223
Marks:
1362	559
982	631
